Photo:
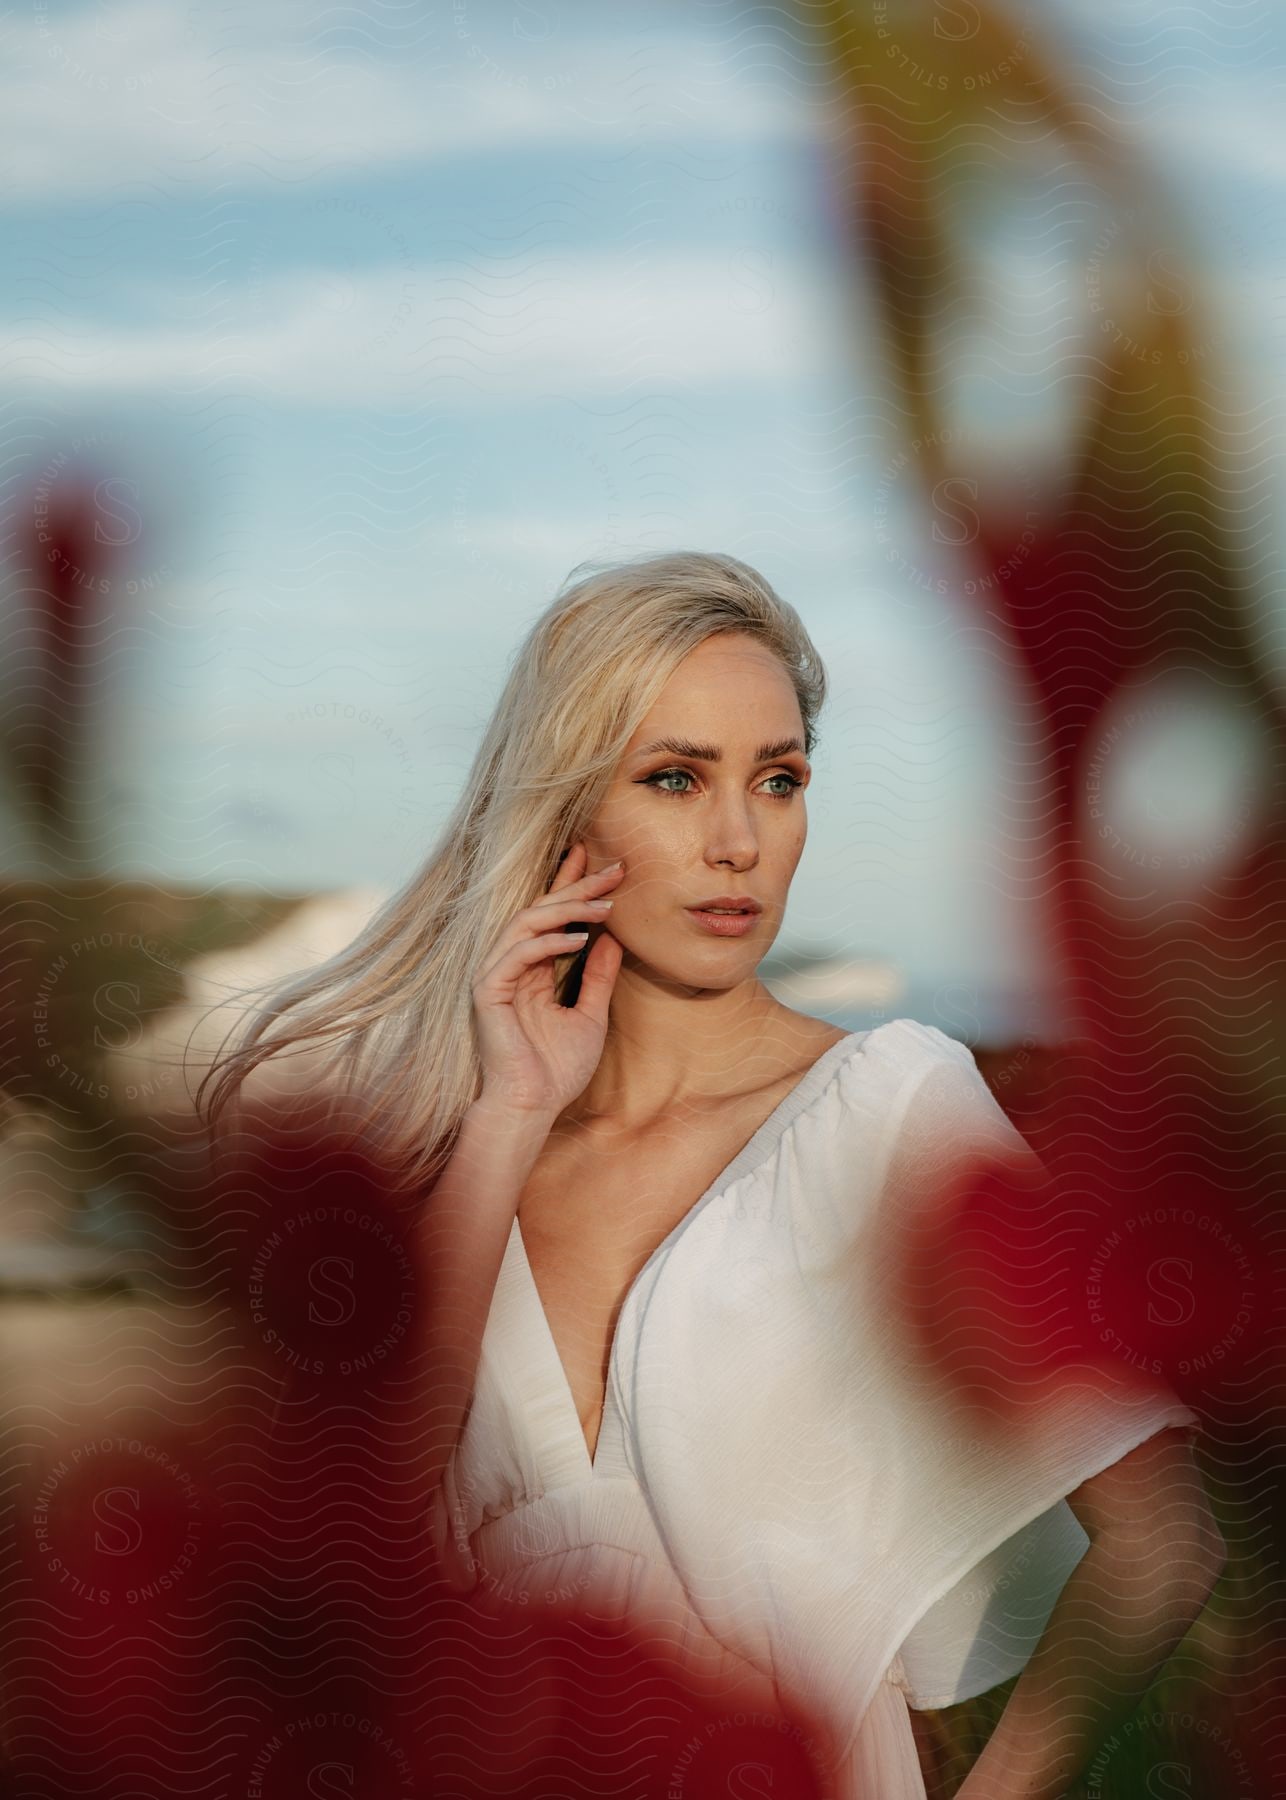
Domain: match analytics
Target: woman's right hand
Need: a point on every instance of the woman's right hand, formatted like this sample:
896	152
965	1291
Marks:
537	1054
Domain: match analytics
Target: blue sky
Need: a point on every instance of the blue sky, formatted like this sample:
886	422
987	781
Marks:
394	314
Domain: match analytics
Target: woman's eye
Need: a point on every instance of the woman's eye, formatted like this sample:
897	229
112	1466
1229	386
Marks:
665	775
661	775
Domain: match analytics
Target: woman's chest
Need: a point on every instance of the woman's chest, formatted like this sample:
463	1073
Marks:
592	1215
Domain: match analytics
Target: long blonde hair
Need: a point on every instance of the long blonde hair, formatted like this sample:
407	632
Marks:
395	1007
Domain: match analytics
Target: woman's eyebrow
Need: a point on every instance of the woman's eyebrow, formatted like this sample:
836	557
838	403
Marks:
673	746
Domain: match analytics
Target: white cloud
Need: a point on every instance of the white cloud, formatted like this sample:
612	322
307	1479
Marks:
127	91
1232	133
571	325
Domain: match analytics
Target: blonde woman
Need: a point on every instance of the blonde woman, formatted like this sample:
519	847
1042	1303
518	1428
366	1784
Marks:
661	1370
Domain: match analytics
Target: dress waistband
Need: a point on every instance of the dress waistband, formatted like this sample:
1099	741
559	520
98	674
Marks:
604	1511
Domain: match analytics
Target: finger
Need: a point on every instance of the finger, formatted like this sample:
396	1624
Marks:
596	882
598	977
567	908
572	871
497	980
571	867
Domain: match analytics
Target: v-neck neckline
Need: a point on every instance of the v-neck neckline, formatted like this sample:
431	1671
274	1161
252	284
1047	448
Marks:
750	1155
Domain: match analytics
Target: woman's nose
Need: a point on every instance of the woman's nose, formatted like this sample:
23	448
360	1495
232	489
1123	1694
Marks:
731	835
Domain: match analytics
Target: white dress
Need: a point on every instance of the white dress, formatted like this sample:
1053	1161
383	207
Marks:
780	1501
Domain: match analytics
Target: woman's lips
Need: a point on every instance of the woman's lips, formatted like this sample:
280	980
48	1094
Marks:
723	924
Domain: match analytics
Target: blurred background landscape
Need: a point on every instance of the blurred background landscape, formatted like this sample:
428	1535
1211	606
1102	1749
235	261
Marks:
335	339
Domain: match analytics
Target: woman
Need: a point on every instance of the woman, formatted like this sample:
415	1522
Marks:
664	1376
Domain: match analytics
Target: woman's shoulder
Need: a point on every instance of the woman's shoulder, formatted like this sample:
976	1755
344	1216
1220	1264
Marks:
861	1080
902	1045
917	1044
904	1031
907	1038
894	1113
860	1089
934	1102
923	1069
878	1084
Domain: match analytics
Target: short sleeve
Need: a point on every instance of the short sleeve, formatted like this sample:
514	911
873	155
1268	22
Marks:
1012	1543
836	1517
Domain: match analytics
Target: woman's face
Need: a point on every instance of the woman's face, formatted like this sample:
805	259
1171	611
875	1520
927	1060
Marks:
707	804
